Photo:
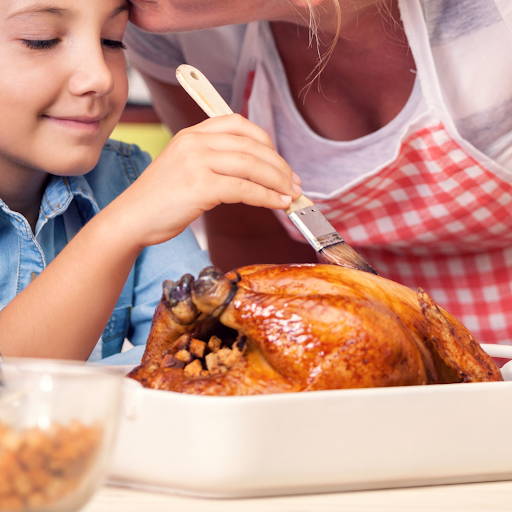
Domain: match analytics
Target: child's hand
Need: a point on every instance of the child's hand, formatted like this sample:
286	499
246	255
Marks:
222	160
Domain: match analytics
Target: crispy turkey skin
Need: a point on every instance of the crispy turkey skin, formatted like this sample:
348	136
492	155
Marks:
288	328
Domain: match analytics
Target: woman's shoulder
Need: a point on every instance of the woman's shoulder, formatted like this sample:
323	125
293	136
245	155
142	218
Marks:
137	38
120	164
215	51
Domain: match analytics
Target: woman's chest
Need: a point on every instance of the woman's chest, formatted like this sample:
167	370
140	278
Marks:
350	93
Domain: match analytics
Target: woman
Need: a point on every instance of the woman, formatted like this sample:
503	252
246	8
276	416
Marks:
404	139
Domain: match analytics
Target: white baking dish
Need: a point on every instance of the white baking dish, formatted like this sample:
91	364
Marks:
314	442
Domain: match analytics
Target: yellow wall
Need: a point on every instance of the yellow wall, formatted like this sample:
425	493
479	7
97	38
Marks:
149	137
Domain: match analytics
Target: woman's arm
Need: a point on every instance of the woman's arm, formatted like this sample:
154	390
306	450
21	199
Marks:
242	235
173	104
237	234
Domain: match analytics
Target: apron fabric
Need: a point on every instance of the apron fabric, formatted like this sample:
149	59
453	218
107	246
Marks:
437	215
435	218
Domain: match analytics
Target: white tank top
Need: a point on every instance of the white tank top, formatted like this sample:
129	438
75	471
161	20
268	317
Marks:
324	165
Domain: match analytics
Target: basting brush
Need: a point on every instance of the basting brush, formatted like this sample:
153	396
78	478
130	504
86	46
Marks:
322	236
308	219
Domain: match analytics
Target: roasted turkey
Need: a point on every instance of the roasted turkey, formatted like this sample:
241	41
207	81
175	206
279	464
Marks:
287	328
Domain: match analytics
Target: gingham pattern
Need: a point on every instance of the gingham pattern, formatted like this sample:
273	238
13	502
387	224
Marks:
436	218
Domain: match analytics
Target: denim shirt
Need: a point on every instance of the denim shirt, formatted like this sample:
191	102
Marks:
67	204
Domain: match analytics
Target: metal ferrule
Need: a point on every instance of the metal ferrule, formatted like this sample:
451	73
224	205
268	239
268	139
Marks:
315	228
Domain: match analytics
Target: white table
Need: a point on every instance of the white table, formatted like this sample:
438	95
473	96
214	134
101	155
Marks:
484	497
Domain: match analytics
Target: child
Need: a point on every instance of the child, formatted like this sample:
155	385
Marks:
87	238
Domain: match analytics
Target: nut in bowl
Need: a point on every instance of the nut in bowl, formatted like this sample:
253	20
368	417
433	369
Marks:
57	426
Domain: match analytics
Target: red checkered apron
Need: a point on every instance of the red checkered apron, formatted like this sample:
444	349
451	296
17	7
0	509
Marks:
436	217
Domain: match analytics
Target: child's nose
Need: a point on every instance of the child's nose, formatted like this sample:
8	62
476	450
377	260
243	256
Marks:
92	75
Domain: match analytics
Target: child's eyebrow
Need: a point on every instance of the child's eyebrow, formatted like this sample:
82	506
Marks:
38	9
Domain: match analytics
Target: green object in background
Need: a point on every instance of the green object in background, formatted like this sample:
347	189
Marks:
150	137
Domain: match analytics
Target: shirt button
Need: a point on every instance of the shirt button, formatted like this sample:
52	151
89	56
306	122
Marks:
33	275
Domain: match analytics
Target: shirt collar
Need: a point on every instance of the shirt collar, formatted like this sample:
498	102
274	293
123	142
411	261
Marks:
60	191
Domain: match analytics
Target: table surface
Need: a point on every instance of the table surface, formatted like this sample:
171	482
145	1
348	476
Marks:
482	497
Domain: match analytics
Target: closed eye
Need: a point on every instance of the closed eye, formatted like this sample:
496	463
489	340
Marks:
46	44
40	44
114	44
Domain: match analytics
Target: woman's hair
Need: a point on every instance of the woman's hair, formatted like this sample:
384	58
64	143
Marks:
324	56
314	40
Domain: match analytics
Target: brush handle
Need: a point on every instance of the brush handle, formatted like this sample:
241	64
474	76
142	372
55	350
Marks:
298	204
207	97
202	91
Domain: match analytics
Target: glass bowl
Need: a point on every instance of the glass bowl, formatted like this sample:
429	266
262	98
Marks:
58	421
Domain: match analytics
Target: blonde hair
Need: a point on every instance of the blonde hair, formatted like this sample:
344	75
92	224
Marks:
323	57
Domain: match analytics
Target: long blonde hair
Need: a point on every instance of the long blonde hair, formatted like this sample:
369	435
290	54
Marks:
324	56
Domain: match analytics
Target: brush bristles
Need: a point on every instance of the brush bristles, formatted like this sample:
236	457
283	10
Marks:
344	255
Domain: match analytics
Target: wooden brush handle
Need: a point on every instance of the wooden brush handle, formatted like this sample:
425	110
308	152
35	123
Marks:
207	97
202	91
299	203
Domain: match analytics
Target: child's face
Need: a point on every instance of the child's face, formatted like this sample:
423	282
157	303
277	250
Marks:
63	82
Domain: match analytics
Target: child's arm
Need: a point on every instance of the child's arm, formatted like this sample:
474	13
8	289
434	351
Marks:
223	160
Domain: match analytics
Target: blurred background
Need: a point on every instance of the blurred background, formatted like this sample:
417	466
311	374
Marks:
139	123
